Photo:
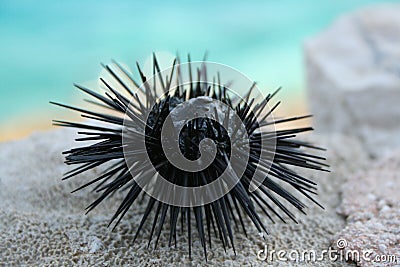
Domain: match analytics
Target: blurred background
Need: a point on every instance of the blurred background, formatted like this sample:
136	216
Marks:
48	45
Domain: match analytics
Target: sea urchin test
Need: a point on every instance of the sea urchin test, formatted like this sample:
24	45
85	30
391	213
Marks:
197	141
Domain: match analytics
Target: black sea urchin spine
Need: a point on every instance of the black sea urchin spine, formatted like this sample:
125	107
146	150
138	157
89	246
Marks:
219	217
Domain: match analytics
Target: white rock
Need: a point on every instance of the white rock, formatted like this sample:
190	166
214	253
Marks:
353	76
41	223
373	223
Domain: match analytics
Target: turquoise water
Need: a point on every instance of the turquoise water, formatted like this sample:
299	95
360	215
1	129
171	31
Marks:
47	45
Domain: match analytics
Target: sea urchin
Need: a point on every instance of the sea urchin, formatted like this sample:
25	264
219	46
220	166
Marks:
192	147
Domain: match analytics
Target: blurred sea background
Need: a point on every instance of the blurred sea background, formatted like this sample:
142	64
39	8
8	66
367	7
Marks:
48	45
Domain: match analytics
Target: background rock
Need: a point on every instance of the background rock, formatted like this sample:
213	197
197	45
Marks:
353	77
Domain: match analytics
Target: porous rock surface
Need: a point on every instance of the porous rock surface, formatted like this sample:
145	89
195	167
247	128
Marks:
42	224
371	203
353	77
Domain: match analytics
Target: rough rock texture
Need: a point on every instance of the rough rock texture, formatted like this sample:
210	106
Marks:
353	76
41	223
371	202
